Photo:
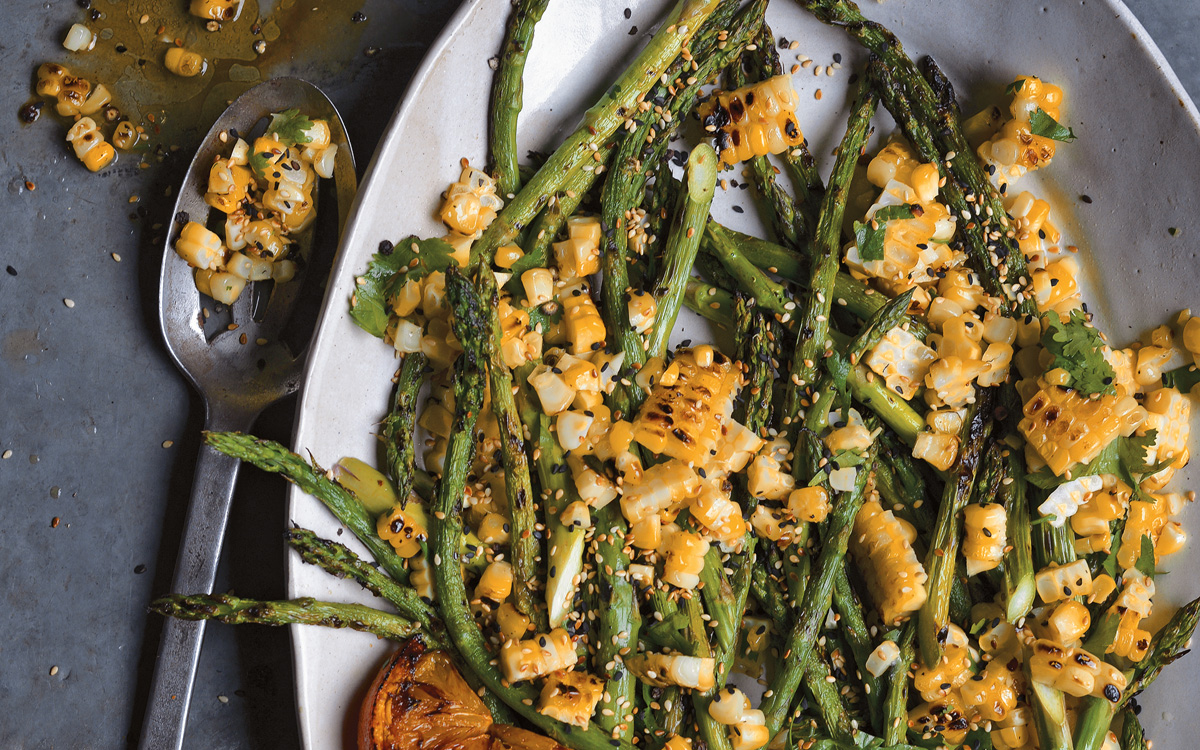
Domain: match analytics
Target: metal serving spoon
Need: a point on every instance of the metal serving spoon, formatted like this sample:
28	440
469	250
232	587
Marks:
241	360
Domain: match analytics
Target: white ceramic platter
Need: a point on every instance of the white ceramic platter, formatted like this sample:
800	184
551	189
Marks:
1136	157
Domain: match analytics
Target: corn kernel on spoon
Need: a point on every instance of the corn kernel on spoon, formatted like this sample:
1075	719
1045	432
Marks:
241	358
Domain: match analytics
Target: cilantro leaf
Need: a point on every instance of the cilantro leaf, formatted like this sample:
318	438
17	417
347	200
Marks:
412	258
870	234
1046	126
260	163
1145	561
289	127
1015	87
1078	349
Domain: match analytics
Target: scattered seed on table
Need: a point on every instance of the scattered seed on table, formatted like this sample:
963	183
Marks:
6	454
168	443
54	670
69	302
116	257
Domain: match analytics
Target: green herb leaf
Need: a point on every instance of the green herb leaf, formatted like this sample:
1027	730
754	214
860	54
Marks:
1013	88
387	273
290	127
870	240
1078	349
260	163
1145	561
1046	126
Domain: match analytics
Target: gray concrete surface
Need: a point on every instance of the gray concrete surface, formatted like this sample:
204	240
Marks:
88	397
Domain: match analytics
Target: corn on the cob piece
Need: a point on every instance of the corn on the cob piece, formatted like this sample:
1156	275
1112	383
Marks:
1075	671
662	486
945	716
735	448
950	381
403	528
1064	502
720	516
1015	150
986	536
471	203
89	144
1065	428
683	419
767	478
571	697
537	656
895	577
1058	582
754	120
663	670
684	552
902	360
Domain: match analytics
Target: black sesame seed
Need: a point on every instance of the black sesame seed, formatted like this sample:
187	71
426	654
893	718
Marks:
139	569
628	13
739	210
837	57
358	17
11	271
632	32
386	247
1085	198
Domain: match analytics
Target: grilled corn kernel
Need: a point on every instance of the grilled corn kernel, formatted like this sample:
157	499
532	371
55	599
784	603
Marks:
200	247
496	582
882	658
1075	671
507	255
678	742
718	514
471	203
642	308
225	287
421	577
1168	413
940	450
89	144
403	528
950	380
728	706
684	420
684	551
902	360
769	476
125	136
948	673
537	656
809	504
1145	519
1069	622
184	63
985	538
992	694
663	670
571	697
1130	641
945	716
754	120
646	534
1058	582
216	10
895	577
661	487
581	319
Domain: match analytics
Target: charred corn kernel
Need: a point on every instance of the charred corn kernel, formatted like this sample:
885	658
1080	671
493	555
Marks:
1066	428
404	528
72	95
728	706
571	697
1013	732
662	486
684	420
406	337
539	286
584	327
642	308
1069	622
895	161
735	448
496	582
50	79
594	488
998	329
407	298
265	239
940	450
507	255
684	551
924	182
79	38
1151	361
895	577
493	529
998	636
947	674
512	623
1130	641
227	179
471	203
1103	587
283	271
902	360
216	10
553	392
1058	582
1015	149
1066	499
96	100
961	336
753	649
914	249
985	538
809	504
537	656
769	476
1190	336
183	62
519	342
225	287
271	153
946	421
950	381
646	534
1075	671
663	670
945	716
992	694
200	247
718	514
882	658
125	137
89	144
754	120
1145	519
961	286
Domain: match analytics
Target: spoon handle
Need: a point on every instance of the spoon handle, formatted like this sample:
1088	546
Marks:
195	572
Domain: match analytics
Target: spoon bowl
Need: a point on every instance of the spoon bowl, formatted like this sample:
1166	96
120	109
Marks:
240	358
